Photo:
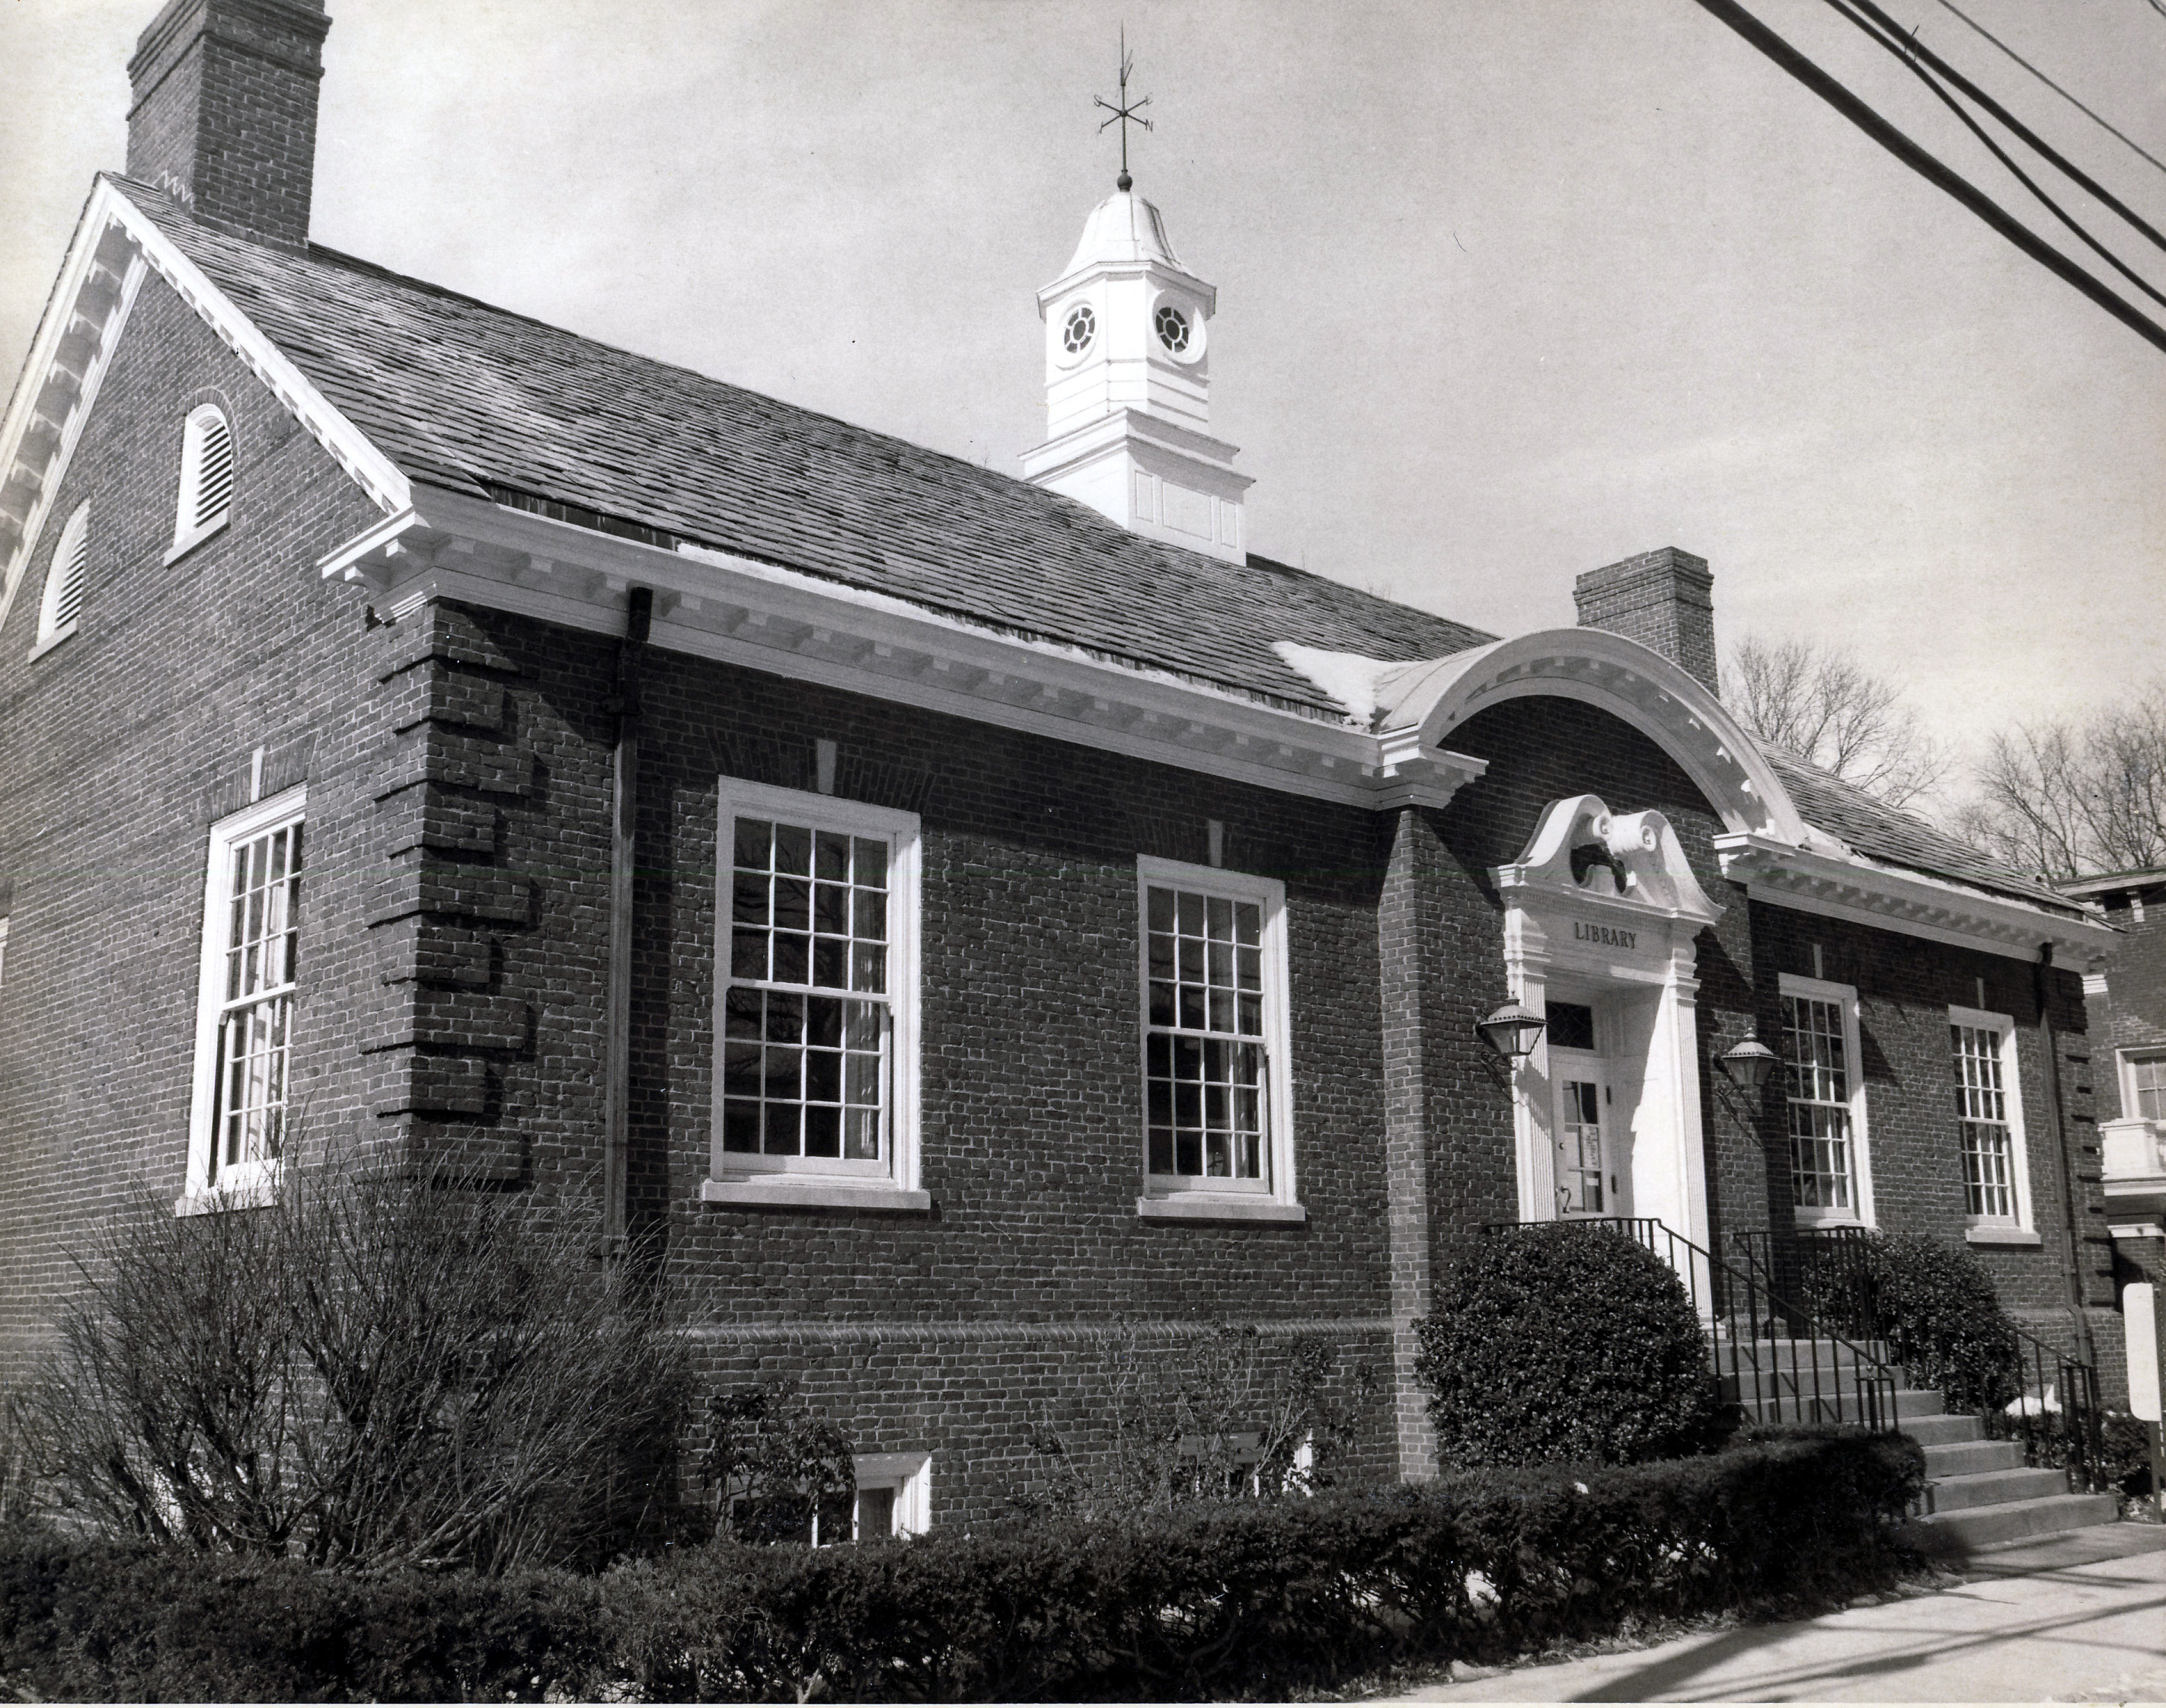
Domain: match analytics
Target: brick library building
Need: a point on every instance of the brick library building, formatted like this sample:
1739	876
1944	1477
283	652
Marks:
964	924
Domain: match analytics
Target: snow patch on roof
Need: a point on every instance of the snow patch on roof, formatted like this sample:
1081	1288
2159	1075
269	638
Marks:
1354	680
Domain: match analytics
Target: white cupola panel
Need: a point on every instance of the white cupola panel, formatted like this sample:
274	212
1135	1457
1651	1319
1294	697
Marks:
1127	386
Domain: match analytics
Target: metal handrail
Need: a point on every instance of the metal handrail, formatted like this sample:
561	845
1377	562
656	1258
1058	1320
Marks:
1807	1375
2055	1413
2063	1426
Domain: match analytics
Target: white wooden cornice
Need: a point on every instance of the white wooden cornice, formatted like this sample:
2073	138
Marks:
1868	893
715	604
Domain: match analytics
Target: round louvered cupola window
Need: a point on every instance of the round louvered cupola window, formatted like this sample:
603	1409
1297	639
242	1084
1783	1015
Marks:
1080	328
1172	328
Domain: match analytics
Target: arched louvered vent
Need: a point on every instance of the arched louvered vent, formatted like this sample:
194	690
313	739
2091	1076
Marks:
64	576
206	474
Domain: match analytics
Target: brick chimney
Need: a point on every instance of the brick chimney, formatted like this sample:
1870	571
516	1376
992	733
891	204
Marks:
1663	599
224	110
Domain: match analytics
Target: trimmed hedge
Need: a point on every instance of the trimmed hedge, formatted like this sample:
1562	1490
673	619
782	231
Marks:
1558	1343
1256	1601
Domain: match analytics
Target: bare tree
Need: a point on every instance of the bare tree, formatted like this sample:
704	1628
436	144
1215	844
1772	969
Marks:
371	1371
1820	704
2064	798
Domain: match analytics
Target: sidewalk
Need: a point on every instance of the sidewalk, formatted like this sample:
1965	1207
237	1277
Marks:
2073	1618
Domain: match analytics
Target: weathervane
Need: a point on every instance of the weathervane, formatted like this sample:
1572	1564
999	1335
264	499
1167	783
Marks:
1125	112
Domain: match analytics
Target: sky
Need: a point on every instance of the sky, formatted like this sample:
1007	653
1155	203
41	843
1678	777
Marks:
1509	289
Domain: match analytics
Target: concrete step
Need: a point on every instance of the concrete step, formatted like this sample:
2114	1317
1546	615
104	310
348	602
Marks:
1944	1430
1919	1402
1787	1408
1995	1488
2013	1521
1970	1458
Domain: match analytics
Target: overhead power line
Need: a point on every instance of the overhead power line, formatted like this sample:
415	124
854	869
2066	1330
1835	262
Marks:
1729	12
1911	56
2156	5
1890	35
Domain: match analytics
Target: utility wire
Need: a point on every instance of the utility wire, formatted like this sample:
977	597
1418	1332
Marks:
2155	6
1892	38
1729	12
1899	46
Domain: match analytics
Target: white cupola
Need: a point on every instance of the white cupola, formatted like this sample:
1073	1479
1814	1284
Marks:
1127	386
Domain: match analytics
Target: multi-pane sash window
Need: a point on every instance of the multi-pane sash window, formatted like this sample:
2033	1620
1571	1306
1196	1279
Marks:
1207	1064
244	1023
808	1021
2147	1087
1989	1147
1817	1076
256	1017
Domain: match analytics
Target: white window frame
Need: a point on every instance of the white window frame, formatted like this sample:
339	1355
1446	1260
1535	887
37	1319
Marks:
748	1178
2011	1088
2128	1061
911	1476
3	948
70	562
244	1184
1209	1199
187	532
1845	997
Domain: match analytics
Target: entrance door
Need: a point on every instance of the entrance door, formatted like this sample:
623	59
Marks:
1585	1181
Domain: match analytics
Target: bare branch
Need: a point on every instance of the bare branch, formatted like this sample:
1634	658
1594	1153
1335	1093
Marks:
1823	705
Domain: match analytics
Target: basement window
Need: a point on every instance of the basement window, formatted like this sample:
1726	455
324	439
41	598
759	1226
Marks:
206	468
64	578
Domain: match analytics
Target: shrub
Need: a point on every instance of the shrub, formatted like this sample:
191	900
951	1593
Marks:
1933	1303
373	1369
1225	1417
2126	1469
1251	1601
1563	1343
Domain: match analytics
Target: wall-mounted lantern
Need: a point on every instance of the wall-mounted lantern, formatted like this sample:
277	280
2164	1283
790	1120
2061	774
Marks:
1511	1031
1747	1065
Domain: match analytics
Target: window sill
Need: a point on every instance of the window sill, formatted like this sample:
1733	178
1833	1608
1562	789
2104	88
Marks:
1204	1207
809	1192
259	1193
1998	1236
52	641
189	542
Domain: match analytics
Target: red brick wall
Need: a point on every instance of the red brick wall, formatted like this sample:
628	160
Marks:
2133	1011
119	748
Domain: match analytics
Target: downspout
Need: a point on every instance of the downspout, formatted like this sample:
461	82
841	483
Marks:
624	826
2040	983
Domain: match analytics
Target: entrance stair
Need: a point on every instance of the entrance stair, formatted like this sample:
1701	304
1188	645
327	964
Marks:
1978	1491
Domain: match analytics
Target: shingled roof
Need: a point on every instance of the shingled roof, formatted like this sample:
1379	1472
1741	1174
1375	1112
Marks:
1897	838
463	395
